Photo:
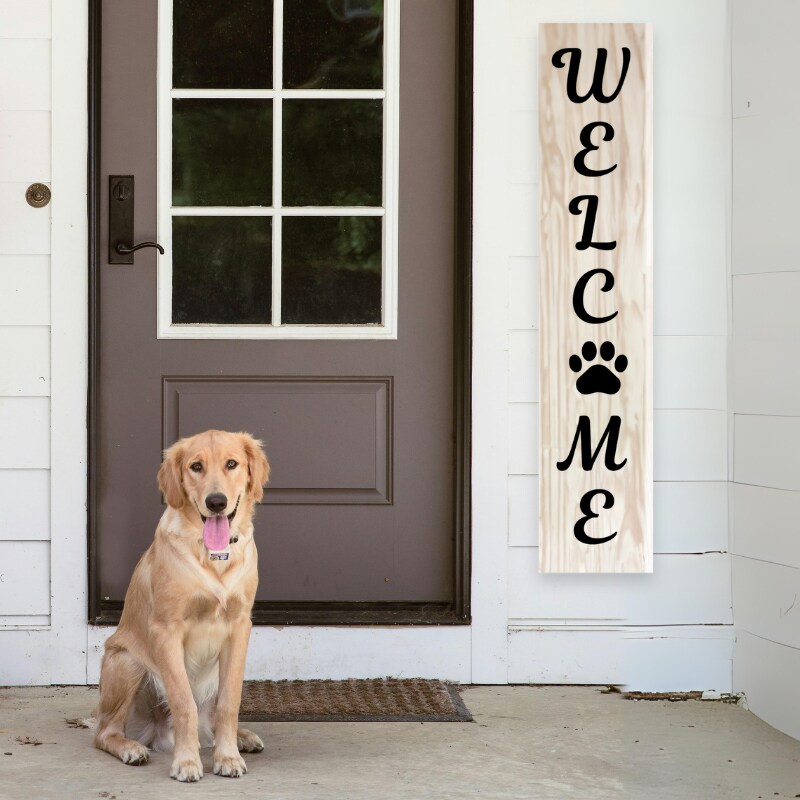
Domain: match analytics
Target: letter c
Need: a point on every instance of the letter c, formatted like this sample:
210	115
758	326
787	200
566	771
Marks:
580	288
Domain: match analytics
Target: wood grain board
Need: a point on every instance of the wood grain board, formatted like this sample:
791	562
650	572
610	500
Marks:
586	388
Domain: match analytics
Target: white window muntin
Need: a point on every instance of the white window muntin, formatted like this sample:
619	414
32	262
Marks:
390	97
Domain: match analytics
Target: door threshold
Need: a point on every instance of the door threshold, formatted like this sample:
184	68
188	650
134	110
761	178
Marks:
333	613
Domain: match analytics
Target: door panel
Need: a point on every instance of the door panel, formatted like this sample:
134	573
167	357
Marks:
361	434
298	413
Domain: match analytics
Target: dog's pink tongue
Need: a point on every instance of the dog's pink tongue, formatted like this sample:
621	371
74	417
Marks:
216	533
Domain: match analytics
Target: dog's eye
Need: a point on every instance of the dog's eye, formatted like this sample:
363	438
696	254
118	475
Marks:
196	467
231	464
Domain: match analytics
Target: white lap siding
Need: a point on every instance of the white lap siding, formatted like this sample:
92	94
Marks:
24	315
43	342
671	630
765	502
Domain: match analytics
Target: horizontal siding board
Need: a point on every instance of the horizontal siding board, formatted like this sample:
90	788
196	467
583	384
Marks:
658	659
767	599
763	50
565	656
25	147
690	445
24	361
24	578
764	524
680	659
765	306
30	518
24	432
764	381
30	19
765	159
24	290
690	372
690	294
30	88
25	230
689	299
681	590
767	673
767	451
688	517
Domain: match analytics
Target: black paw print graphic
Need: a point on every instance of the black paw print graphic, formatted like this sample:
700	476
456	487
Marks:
598	377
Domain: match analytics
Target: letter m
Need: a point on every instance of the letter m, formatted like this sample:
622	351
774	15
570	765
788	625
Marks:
584	434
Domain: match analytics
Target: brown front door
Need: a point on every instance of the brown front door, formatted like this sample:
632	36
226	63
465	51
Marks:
297	160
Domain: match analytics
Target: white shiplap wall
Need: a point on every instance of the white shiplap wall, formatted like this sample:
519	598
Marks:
765	507
675	624
25	50
43	352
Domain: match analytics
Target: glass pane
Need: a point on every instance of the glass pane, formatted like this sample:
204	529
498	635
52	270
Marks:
221	152
332	152
221	270
331	270
224	44
333	44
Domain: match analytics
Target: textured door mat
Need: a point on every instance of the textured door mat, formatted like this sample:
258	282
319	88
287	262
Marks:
381	700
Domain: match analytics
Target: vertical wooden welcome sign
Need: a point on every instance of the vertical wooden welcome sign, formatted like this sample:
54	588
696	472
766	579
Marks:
596	259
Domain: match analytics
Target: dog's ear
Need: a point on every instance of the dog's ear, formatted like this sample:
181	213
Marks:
169	476
257	464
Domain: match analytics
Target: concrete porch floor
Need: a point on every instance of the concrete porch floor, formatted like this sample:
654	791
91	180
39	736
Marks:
527	742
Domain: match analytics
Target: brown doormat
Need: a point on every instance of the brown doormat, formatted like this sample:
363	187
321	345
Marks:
380	700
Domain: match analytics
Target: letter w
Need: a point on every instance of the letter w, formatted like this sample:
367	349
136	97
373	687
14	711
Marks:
596	88
584	433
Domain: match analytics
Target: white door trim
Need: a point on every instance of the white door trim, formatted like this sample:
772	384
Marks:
490	346
336	653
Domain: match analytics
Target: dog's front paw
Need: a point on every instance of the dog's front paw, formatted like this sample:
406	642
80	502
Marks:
187	770
248	742
229	766
134	754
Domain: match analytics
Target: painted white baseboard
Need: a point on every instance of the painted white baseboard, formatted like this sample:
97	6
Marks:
306	653
43	656
653	659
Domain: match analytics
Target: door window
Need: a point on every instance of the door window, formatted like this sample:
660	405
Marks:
278	168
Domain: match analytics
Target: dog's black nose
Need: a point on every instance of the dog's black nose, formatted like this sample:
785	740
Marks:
216	502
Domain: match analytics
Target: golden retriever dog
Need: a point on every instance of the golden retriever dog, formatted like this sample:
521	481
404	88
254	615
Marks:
171	677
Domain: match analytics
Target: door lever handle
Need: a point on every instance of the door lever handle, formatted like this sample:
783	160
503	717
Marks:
123	250
120	221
